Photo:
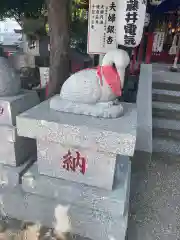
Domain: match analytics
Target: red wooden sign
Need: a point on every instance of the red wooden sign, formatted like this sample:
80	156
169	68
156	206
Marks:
72	163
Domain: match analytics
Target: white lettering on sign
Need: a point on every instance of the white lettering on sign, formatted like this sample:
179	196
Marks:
102	26
44	76
130	22
158	42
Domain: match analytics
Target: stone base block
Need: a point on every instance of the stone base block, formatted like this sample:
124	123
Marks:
12	106
11	176
85	222
104	135
79	165
102	110
115	202
14	150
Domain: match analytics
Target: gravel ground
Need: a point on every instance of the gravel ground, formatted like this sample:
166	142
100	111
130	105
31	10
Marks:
155	198
17	230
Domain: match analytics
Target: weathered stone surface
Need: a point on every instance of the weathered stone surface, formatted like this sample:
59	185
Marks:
11	176
11	106
106	135
9	80
166	146
144	110
85	222
161	95
100	110
115	201
20	60
14	150
166	106
99	167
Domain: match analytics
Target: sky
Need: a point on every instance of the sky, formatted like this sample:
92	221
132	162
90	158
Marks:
8	26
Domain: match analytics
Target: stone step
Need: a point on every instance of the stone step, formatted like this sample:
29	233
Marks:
166	133
165	114
166	106
166	128
161	95
166	124
165	80
115	202
166	110
87	223
166	85
166	146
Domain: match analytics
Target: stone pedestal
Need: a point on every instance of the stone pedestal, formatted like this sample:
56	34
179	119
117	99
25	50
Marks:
82	162
94	213
79	148
15	150
11	106
85	222
115	202
10	177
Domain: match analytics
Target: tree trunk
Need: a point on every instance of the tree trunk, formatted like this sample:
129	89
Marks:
59	19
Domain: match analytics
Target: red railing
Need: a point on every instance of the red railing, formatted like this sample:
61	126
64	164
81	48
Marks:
138	52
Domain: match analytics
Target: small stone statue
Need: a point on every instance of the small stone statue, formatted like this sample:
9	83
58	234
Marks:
9	81
94	92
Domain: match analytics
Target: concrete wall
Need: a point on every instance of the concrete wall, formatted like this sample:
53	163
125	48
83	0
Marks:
144	110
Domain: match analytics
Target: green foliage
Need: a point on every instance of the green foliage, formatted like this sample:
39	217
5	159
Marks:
79	25
34	28
29	14
20	8
79	35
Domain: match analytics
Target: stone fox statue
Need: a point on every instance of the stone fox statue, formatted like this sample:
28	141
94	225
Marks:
94	91
103	84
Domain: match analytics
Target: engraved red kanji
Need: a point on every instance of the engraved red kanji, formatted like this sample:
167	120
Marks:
72	163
